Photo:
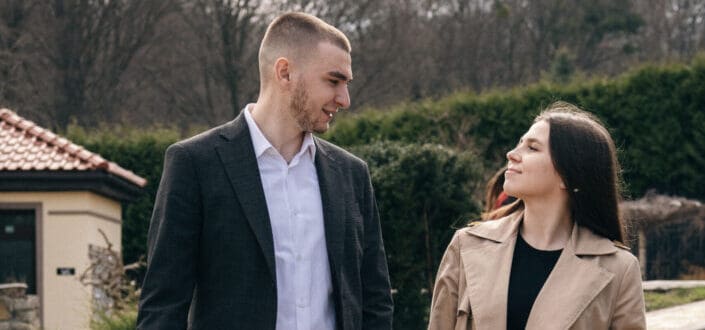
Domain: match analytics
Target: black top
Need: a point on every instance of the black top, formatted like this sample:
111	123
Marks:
530	269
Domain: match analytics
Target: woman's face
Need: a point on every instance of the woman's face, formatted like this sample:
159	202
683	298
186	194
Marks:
530	171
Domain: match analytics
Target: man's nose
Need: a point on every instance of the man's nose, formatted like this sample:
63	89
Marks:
342	98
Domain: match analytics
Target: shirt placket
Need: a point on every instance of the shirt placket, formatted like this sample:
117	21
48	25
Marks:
302	276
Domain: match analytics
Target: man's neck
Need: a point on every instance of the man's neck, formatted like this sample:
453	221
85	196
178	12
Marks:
278	127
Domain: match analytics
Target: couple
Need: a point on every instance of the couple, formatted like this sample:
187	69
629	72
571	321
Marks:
258	224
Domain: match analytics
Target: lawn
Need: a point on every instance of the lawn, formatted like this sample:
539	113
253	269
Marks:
124	320
662	299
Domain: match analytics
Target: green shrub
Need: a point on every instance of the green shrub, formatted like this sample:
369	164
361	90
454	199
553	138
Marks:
423	192
121	320
655	114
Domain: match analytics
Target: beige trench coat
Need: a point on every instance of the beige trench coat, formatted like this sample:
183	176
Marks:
595	283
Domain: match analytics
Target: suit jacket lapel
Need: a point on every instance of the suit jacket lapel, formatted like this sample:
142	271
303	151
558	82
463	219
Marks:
332	200
573	283
487	270
238	158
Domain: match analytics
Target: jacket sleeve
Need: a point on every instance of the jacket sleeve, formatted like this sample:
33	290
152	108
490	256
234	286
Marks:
172	245
378	307
629	310
444	304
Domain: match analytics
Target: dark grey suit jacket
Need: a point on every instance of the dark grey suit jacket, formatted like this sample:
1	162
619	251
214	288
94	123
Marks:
210	242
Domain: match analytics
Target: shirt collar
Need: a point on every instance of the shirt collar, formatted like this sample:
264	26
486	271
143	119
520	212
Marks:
261	144
308	146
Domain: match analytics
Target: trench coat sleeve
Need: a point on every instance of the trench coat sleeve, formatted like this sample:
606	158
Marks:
378	306
172	245
629	310
444	304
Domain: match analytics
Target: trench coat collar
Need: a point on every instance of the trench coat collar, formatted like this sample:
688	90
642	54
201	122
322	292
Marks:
573	283
582	240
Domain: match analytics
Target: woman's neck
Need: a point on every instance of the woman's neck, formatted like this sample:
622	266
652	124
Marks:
546	226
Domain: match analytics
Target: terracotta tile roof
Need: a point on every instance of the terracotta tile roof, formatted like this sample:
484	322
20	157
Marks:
24	146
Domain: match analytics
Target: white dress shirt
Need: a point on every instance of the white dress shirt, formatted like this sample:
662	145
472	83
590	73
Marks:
304	286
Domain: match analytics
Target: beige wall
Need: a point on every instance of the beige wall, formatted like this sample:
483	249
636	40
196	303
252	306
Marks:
69	223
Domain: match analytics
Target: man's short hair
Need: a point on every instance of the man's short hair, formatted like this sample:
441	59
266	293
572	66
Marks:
292	34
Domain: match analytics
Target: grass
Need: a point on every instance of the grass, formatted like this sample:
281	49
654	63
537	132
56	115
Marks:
662	299
125	320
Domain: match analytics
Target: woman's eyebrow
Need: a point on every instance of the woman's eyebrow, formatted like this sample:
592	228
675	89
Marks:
531	140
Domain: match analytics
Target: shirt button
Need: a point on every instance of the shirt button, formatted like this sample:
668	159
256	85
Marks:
298	257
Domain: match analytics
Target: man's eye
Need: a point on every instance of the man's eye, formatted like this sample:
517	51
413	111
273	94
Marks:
333	81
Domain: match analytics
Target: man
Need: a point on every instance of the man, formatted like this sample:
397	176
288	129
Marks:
257	223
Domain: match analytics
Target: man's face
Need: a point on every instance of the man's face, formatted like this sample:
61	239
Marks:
322	88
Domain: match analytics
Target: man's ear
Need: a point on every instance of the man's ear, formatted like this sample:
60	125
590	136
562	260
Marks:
282	72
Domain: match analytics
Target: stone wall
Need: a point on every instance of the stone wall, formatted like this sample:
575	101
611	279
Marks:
18	311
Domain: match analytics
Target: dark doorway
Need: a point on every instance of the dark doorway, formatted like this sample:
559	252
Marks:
18	234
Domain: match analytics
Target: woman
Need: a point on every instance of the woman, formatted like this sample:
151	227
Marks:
557	259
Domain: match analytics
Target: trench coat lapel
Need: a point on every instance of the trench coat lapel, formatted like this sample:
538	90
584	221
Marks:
573	283
332	200
237	156
487	269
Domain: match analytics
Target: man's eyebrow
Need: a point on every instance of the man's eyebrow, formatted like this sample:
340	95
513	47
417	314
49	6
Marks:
340	75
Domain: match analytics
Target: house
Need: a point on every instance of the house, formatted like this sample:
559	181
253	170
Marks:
55	196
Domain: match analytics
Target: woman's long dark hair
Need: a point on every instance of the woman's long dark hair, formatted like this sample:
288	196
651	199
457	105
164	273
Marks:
494	189
585	157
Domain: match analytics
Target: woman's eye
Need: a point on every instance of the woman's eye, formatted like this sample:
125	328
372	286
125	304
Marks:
533	149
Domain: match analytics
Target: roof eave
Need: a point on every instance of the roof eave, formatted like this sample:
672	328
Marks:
98	181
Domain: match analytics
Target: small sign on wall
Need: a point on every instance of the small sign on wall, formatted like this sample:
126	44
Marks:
65	271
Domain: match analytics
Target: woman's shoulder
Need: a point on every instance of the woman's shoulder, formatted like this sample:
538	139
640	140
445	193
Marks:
621	260
624	256
500	225
494	230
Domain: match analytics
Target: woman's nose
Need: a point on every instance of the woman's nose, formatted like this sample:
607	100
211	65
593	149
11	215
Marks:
513	155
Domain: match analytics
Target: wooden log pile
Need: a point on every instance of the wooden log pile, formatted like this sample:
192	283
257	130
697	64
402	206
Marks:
112	289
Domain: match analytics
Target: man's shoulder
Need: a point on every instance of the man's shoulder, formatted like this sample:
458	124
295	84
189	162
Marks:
339	153
202	146
208	137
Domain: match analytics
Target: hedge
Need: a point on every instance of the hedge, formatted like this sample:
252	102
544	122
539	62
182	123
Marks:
656	115
423	192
